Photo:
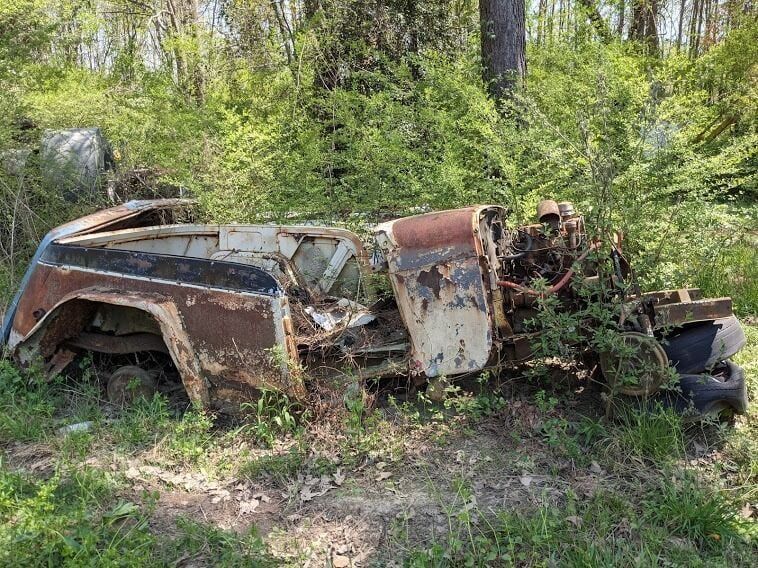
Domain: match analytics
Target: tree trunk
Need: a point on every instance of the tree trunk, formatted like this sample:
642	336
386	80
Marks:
711	19
600	25
636	23
541	15
183	21
651	27
285	32
644	27
503	33
695	26
622	13
682	7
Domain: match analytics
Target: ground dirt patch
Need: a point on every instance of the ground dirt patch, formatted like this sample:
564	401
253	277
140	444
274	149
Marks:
410	483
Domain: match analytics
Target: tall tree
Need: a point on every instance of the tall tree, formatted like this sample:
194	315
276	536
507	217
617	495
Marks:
679	29
593	14
696	23
182	24
503	30
644	26
620	22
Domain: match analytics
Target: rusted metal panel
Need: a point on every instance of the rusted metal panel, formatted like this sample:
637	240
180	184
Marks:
131	343
321	260
200	272
115	217
680	313
191	240
435	267
221	327
422	240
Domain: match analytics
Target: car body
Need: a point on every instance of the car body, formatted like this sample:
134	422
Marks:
240	308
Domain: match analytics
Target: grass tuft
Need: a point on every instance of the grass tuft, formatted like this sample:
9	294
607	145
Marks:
655	435
690	510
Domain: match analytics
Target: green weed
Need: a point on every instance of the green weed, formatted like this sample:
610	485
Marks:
69	521
279	467
357	411
141	423
213	546
272	415
27	403
77	519
190	437
654	435
690	510
475	406
590	430
606	530
74	447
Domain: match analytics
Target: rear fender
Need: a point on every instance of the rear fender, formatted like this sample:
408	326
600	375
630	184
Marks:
161	308
126	215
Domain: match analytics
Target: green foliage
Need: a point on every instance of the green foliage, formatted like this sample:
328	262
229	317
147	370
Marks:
69	522
27	403
408	142
475	406
650	434
604	530
191	437
142	422
704	515
271	416
148	127
279	467
183	440
75	520
727	266
218	547
590	430
358	414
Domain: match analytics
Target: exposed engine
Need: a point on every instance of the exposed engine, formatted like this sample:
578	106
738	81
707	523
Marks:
545	250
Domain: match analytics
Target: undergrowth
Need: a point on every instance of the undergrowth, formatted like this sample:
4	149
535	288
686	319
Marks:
77	518
678	524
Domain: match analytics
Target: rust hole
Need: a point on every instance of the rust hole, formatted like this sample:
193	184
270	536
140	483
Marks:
431	279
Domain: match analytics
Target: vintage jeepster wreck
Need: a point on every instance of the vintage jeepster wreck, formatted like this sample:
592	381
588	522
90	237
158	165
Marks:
239	308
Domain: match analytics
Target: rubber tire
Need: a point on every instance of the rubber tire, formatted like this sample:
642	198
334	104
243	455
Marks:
699	347
707	394
121	393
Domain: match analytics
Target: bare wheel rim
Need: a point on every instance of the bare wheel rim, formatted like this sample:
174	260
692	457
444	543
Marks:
129	383
640	370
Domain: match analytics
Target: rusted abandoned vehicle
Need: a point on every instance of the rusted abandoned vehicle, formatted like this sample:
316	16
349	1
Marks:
239	308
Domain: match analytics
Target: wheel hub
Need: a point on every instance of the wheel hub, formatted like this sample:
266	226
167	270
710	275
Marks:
638	367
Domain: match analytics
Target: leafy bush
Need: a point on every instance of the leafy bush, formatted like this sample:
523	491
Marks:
27	403
69	521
